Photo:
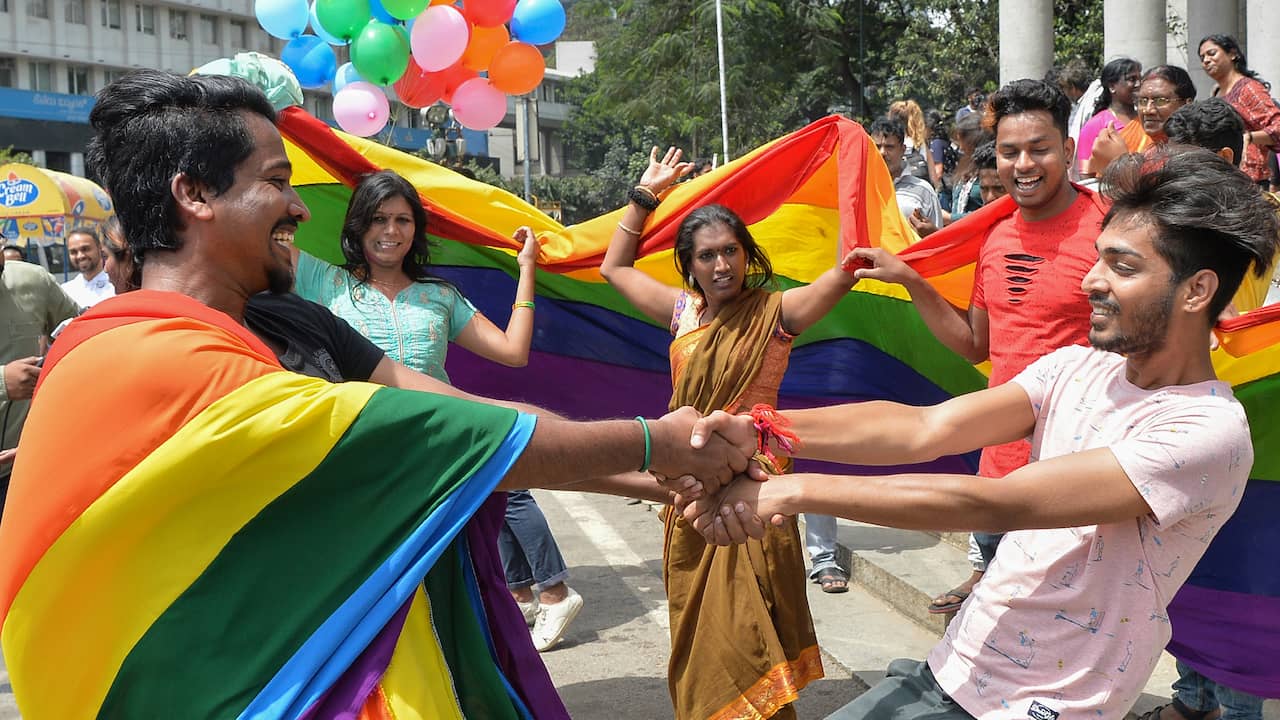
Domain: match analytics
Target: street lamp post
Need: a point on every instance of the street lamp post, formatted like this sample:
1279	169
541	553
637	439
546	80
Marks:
446	134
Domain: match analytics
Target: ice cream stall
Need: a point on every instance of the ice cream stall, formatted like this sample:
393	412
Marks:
39	207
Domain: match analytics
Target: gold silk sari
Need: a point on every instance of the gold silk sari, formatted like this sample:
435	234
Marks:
742	639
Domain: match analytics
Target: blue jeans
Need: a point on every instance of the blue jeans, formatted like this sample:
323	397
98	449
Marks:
1200	693
987	544
820	540
530	556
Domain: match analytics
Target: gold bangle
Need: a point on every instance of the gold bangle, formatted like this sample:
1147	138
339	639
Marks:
522	303
645	189
628	230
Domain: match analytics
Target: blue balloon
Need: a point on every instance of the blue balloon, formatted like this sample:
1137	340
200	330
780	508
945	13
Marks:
319	30
380	13
285	19
311	60
537	22
346	74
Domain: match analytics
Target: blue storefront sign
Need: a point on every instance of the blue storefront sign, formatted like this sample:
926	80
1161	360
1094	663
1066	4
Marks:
56	107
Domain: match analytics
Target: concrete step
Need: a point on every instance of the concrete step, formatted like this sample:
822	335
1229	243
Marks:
904	568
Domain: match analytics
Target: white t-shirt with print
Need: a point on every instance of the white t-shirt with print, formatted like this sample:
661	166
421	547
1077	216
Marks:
1069	623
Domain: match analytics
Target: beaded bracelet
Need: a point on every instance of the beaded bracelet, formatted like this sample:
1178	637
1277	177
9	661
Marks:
648	443
644	198
522	303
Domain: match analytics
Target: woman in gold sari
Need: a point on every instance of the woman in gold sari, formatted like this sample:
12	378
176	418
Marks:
742	638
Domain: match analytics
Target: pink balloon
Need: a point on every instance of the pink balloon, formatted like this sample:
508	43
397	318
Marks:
361	108
439	37
479	105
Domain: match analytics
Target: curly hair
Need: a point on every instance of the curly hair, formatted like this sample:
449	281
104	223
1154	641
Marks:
1021	96
1211	124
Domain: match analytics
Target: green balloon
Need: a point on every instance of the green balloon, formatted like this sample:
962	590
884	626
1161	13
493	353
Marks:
380	53
405	9
343	18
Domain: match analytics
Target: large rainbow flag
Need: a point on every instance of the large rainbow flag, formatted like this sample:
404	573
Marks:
807	196
239	541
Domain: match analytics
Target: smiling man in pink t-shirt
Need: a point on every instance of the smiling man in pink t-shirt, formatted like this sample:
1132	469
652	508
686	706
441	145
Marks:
1139	454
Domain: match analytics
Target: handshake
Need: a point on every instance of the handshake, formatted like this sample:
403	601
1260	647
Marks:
717	481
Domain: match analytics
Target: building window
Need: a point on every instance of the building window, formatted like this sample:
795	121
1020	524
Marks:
110	76
38	8
79	80
209	29
177	24
75	12
8	72
41	75
144	17
239	34
4	6
111	14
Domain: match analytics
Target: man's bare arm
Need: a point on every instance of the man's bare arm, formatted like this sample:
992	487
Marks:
397	375
1084	488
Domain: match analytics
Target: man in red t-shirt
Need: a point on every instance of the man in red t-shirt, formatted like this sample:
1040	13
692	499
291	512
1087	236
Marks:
1027	299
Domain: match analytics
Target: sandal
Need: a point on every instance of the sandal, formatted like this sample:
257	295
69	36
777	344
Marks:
943	603
833	580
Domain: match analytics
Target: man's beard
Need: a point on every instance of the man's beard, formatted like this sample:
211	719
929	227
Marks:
1151	325
279	280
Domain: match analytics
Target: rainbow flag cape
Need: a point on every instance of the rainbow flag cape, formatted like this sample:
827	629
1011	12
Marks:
239	541
806	196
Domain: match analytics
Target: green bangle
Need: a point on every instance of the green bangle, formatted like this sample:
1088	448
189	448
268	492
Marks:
522	303
648	443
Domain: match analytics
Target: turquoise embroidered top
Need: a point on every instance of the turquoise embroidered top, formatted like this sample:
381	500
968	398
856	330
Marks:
414	329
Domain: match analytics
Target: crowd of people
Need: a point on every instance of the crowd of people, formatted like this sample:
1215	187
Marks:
1133	214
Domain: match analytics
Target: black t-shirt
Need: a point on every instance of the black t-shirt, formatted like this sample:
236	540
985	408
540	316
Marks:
309	339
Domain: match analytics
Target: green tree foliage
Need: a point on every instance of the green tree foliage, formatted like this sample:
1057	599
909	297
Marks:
788	62
7	155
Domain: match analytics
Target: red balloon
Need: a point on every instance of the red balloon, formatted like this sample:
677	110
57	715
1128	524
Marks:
517	68
453	76
418	88
488	13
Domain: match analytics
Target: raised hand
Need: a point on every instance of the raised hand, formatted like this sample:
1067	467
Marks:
662	174
879	264
528	255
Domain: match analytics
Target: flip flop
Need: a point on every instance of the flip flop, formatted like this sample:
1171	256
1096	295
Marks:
833	580
939	608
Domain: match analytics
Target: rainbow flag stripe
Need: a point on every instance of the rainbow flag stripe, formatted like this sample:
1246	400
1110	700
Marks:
807	196
238	541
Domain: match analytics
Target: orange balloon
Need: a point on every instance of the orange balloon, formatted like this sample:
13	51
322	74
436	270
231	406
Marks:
517	68
484	43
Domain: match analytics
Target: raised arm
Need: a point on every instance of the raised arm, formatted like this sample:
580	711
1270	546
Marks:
511	346
965	333
805	305
650	296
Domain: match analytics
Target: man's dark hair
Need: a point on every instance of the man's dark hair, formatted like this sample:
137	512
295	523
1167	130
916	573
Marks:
984	156
149	126
89	230
1076	74
885	125
1022	96
1178	77
1206	213
1211	124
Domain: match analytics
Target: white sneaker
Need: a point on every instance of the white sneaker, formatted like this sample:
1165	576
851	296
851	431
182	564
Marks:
529	610
553	620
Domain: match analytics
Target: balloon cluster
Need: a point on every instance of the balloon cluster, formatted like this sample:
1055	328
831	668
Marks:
427	50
